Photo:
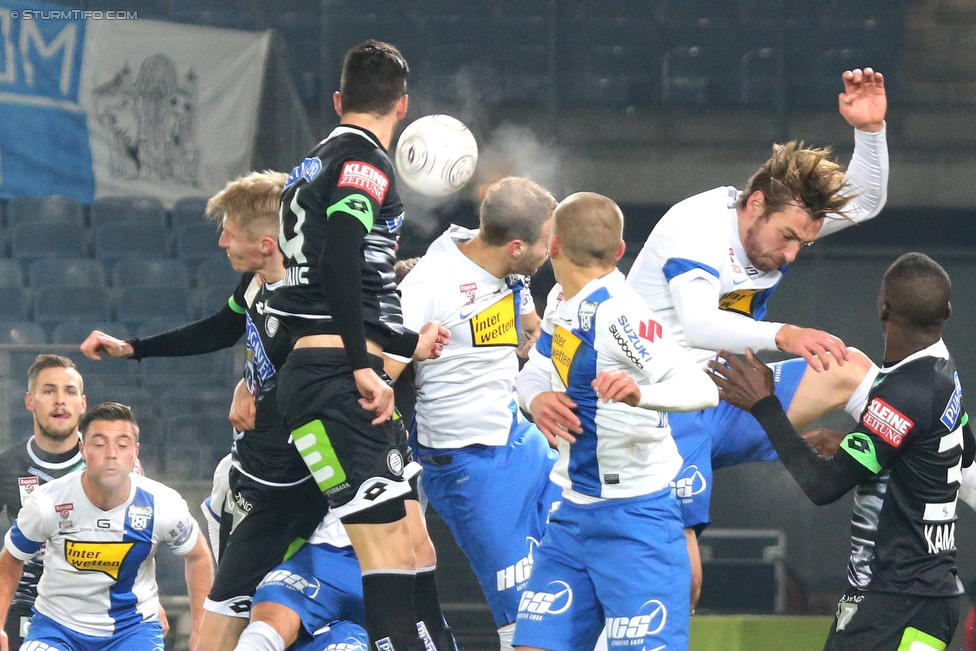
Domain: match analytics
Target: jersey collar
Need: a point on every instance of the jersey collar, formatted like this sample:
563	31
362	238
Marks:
938	349
344	129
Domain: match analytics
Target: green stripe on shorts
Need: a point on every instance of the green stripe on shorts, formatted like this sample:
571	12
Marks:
916	640
319	455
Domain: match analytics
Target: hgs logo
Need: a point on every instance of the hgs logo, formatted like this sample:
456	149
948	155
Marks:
632	628
518	573
690	482
547	603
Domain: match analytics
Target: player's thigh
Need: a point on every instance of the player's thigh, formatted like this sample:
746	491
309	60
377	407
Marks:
693	483
558	609
356	464
737	437
641	572
888	622
340	636
146	635
320	583
269	520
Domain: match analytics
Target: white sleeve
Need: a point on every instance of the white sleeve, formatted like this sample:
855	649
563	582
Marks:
28	533
967	489
528	303
867	179
415	305
706	326
213	506
536	376
178	528
673	382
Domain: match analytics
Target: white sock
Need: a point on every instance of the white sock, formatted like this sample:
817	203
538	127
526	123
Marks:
259	636
505	634
859	399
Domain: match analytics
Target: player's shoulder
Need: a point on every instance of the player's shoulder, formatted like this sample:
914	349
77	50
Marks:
60	489
709	208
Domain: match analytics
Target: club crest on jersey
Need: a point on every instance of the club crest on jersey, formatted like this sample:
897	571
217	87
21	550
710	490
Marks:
139	516
106	557
495	325
887	422
308	169
271	325
26	485
740	301
64	510
365	177
587	310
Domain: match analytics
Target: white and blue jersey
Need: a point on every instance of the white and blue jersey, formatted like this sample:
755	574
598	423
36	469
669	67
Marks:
99	566
624	451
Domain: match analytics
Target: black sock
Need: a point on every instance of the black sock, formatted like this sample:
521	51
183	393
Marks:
388	602
429	611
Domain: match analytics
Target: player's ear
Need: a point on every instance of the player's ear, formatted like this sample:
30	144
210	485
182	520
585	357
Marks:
516	248
621	248
29	402
948	311
401	107
337	103
756	204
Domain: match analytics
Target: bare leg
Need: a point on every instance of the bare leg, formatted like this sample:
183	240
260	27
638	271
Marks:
696	567
219	632
821	393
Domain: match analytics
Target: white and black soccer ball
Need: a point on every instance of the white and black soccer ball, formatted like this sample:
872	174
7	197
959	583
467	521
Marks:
436	155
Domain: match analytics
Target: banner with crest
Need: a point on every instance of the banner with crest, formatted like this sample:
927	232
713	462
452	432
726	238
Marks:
97	106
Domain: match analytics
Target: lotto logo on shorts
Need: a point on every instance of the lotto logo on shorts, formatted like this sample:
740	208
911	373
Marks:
633	628
536	604
292	581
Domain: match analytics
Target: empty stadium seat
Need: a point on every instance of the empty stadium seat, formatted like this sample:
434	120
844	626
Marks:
220	364
126	239
66	272
159	272
151	327
29	241
145	210
188	210
75	332
56	304
213	299
216	272
138	303
194	400
14	301
21	333
196	242
55	210
11	274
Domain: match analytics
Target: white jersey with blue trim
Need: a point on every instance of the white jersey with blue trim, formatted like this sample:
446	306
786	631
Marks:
698	240
624	451
99	566
466	396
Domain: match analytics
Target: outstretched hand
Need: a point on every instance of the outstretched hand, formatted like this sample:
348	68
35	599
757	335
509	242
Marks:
864	101
554	413
742	384
815	346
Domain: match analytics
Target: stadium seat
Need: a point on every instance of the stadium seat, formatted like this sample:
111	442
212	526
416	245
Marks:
11	274
684	79
213	299
66	272
54	210
30	241
195	443
138	303
141	400
216	272
144	210
14	301
195	400
188	210
56	304
220	364
75	332
107	369
124	239
152	327
157	273
196	242
21	333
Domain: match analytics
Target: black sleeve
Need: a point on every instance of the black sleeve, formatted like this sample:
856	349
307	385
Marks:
403	344
824	480
968	444
216	332
339	266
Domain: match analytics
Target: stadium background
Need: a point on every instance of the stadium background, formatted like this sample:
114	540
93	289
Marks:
647	101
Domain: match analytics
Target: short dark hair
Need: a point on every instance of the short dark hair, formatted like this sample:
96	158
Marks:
43	362
917	290
374	78
108	411
514	209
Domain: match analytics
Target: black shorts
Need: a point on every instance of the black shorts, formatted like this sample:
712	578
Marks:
258	525
356	464
883	621
16	625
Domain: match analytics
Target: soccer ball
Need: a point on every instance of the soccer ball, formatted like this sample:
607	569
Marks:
436	155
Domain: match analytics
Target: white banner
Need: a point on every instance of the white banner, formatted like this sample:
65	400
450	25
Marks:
172	109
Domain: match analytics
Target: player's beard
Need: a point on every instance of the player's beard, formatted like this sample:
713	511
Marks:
57	436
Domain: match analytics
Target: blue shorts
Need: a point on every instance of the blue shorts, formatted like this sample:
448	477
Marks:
341	636
495	500
720	437
621	563
322	583
45	634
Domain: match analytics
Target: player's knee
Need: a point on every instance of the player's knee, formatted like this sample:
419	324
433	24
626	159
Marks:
282	619
859	363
